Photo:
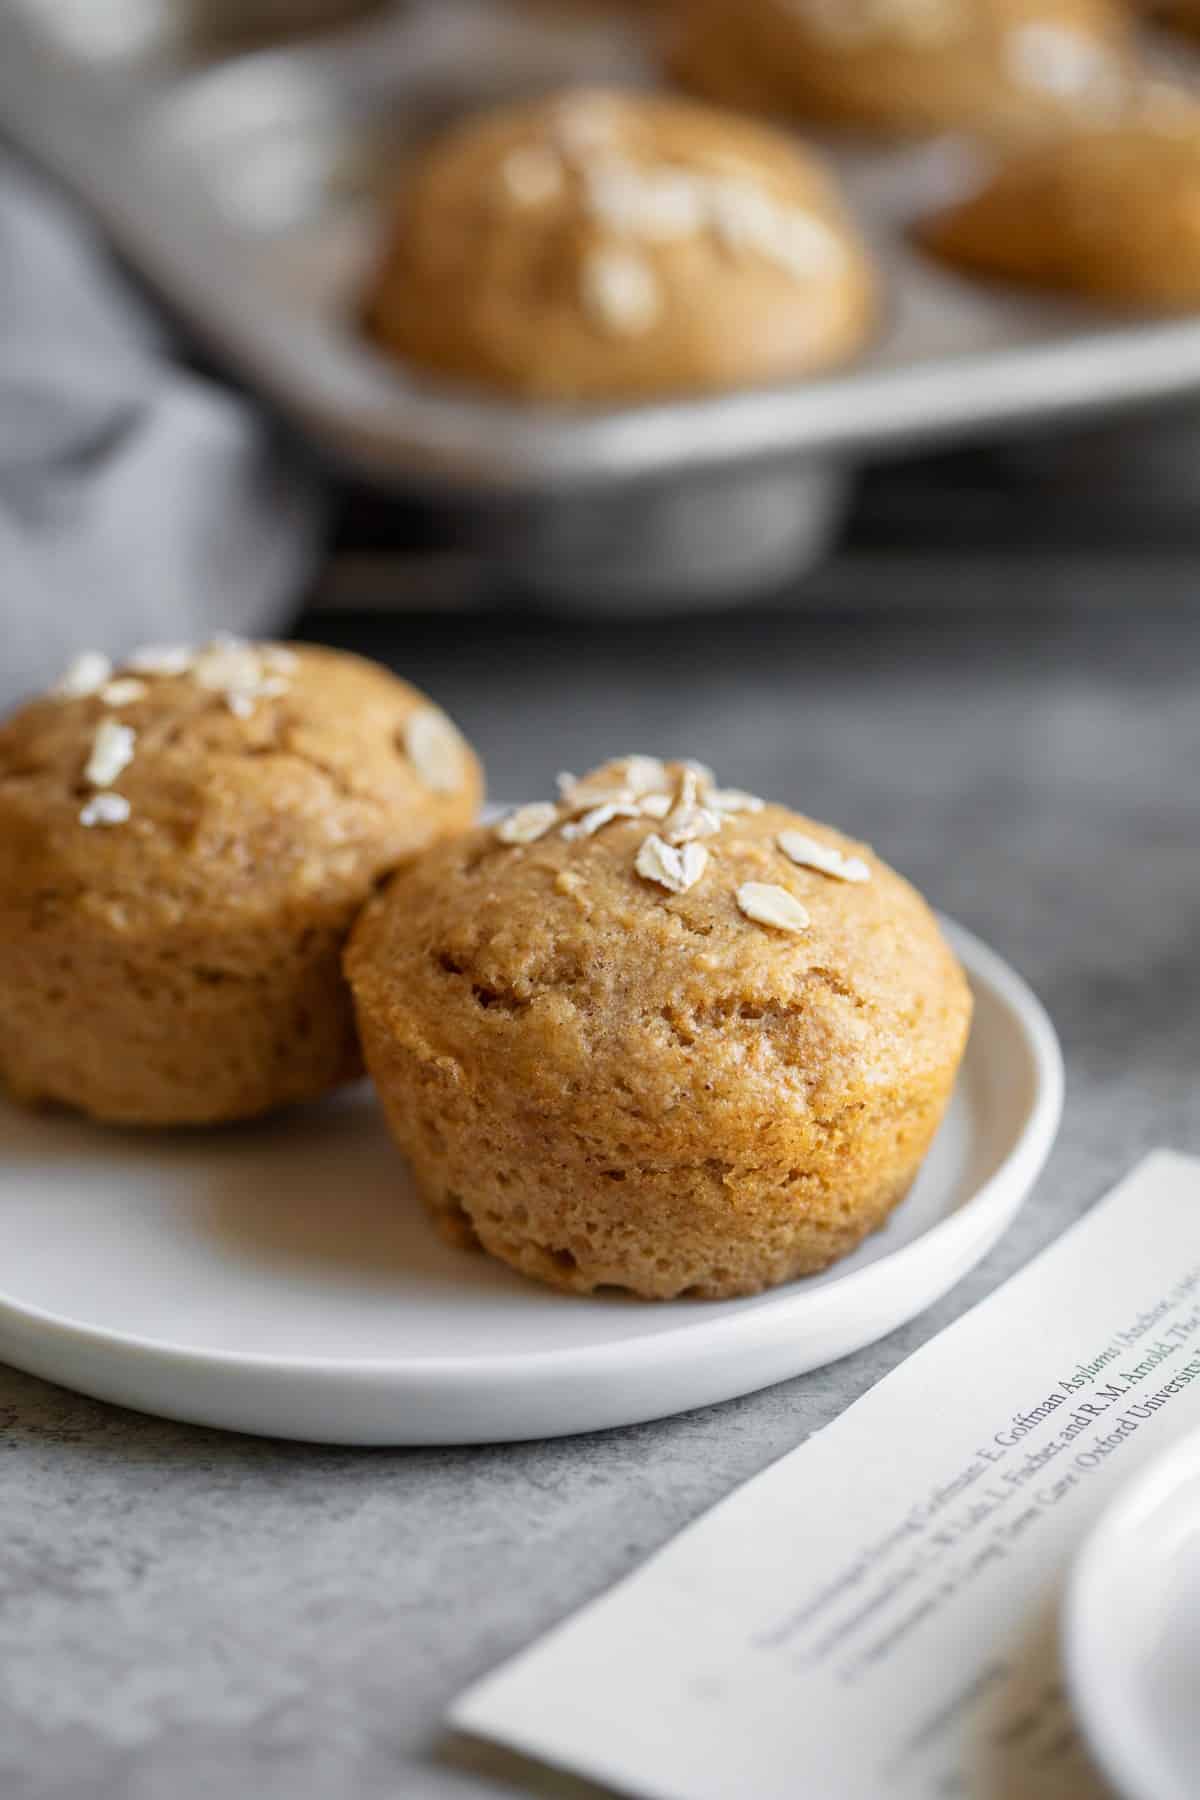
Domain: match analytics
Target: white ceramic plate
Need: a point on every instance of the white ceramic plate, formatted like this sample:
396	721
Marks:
1132	1631
278	1278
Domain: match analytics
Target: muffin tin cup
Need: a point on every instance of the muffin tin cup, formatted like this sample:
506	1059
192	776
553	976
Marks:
683	545
250	192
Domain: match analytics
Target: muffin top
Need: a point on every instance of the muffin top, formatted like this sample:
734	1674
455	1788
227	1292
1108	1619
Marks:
995	66
598	245
654	934
1113	214
188	784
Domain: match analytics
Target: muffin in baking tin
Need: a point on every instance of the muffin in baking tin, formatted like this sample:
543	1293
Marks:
998	67
1110	215
595	246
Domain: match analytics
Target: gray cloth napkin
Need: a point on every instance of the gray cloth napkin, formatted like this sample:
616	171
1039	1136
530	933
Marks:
138	502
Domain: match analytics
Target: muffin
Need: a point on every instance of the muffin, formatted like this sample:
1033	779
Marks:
187	841
1006	67
1110	215
659	1037
599	246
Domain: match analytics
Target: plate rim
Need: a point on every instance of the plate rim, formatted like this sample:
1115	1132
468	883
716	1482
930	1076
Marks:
1017	1172
1109	1723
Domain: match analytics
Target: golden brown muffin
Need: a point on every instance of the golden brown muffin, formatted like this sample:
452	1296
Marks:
998	67
1113	215
661	1036
187	841
598	246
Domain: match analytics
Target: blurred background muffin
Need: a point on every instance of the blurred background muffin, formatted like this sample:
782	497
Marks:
1111	215
999	67
596	245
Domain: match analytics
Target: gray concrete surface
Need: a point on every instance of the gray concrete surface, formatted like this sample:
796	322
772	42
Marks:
186	1614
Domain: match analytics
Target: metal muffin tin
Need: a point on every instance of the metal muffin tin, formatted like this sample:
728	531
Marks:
249	191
